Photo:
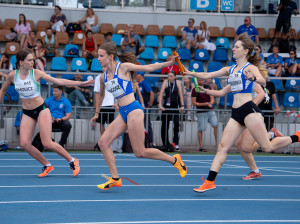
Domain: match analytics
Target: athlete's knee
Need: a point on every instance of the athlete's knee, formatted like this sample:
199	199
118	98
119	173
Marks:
103	143
25	144
48	143
140	153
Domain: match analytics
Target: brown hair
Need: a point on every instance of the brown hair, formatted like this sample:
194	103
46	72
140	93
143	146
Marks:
92	10
57	87
111	49
6	63
21	55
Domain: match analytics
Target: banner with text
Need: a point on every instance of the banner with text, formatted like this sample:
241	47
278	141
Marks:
227	5
203	4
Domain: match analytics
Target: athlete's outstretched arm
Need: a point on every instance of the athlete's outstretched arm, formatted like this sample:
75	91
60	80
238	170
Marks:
204	75
216	93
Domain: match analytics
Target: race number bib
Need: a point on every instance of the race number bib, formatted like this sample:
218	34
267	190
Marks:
236	82
114	88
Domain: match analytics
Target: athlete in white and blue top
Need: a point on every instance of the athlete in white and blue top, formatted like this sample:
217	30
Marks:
245	114
118	81
27	83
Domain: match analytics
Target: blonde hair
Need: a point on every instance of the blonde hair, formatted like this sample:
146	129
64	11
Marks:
92	10
205	25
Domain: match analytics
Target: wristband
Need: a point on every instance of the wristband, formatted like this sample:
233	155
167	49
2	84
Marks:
254	79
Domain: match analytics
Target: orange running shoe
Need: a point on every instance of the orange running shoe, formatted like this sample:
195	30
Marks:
206	186
75	167
180	165
110	183
46	170
276	132
298	134
252	176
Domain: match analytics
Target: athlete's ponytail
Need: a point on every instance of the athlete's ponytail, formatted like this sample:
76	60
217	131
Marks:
130	58
21	55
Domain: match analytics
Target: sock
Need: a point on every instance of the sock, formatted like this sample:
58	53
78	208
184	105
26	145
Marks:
116	178
294	138
272	134
177	146
256	171
212	175
175	160
72	160
49	164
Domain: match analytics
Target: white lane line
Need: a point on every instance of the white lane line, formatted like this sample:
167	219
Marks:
145	185
189	221
153	200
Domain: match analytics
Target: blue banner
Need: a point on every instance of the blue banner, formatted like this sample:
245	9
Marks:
227	5
203	4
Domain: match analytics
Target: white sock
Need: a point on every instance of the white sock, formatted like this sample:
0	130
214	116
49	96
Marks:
256	171
72	160
49	164
177	146
272	134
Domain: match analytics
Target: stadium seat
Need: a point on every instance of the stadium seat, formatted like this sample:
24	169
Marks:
220	55
153	30
31	24
163	53
261	33
117	39
79	63
62	37
13	61
271	33
13	94
277	84
9	23
222	42
58	64
99	37
2	34
293	34
214	66
18	118
217	82
151	41
12	47
44	82
78	38
139	29
179	31
197	66
154	62
42	25
214	31
96	66
0	24
292	84
168	30
88	77
169	41
230	63
291	99
202	55
68	47
106	28
228	32
141	61
184	54
229	100
121	28
148	53
67	76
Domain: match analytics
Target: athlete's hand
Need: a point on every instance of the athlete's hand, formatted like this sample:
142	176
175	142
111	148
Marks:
93	120
187	72
249	75
202	89
87	83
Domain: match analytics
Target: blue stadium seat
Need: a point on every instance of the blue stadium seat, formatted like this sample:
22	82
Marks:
231	63
220	55
169	41
67	76
79	63
292	84
88	77
58	64
44	82
18	118
151	41
291	99
154	62
229	100
141	61
13	61
68	47
163	53
202	55
13	94
184	54
197	66
222	42
117	39
96	66
214	66
277	84
148	53
217	82
153	81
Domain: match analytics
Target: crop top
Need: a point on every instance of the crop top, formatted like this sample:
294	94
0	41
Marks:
28	88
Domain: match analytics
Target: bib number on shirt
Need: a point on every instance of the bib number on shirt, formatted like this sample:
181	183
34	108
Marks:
114	88
236	82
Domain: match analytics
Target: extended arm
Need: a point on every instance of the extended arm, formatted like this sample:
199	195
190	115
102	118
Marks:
205	75
260	94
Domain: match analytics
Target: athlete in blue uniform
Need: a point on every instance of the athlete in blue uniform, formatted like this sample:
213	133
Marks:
245	114
118	81
27	83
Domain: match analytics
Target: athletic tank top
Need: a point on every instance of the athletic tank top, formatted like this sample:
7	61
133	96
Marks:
238	82
28	88
118	87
